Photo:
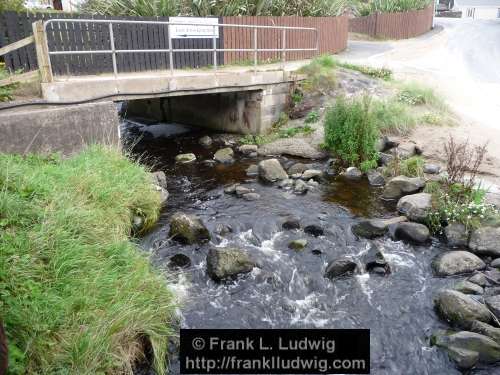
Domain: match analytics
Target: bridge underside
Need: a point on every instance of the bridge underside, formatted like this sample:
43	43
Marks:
236	101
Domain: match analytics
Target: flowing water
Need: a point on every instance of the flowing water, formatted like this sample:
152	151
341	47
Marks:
288	290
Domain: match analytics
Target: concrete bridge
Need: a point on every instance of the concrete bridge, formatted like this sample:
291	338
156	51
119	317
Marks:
244	99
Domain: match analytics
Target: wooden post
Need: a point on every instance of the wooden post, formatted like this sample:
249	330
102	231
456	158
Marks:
42	52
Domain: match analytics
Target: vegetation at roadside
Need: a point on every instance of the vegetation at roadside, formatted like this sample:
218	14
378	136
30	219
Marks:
351	132
390	6
77	297
12	5
7	91
458	198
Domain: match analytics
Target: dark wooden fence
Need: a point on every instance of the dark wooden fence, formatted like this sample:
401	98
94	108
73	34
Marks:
86	36
401	25
332	37
95	36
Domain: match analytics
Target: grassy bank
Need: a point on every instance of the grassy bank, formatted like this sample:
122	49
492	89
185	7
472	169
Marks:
76	296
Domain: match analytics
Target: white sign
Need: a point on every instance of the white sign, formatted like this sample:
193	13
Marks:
202	29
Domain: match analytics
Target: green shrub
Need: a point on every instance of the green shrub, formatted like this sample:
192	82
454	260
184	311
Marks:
312	117
351	131
77	297
11	5
391	6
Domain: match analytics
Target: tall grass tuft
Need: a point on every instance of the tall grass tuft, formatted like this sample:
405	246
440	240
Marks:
77	296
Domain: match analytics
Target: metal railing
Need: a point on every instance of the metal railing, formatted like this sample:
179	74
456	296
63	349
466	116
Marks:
170	50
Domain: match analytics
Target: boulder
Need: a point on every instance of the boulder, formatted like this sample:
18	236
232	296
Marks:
456	235
185	158
485	241
466	287
456	262
493	303
252	170
411	232
460	309
270	170
231	189
479	279
227	263
300	187
163	195
416	206
160	179
431	168
495	263
467	348
297	168
400	186
374	261
251	196
353	173
247	149
224	155
340	267
205	141
372	228
188	228
241	190
286	184
179	261
407	149
311	173
375	178
291	222
385	144
222	229
298	245
312	183
332	167
385	159
486	329
314	230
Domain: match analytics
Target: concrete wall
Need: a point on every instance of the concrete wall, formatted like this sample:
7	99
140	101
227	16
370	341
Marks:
64	129
244	112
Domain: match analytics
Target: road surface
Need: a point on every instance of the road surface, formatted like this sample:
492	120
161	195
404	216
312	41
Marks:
460	58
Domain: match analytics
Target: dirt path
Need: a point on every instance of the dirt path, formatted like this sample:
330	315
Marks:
459	59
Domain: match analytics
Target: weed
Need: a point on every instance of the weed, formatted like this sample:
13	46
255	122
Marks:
297	96
393	117
351	131
416	94
312	117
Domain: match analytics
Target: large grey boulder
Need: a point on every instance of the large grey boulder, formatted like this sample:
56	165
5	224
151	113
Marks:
493	304
353	173
411	232
188	228
416	206
372	228
340	267
467	348
270	170
311	173
297	168
460	309
402	185
485	241
374	260
227	263
224	155
456	262
159	178
466	287
456	235
486	329
248	149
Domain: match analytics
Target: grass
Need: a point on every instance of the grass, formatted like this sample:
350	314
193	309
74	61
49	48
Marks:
413	93
320	75
393	117
77	297
410	167
6	92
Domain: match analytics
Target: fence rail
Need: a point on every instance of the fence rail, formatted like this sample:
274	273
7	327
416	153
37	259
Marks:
400	25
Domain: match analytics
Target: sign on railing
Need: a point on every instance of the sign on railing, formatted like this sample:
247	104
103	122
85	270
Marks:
203	28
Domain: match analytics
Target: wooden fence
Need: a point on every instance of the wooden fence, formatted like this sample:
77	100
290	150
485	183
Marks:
63	36
400	25
332	37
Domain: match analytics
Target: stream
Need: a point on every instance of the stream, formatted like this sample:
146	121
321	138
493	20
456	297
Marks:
289	290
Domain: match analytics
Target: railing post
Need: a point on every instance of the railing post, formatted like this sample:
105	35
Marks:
112	41
283	47
170	51
214	42
42	52
255	58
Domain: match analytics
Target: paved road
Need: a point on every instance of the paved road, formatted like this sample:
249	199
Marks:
461	60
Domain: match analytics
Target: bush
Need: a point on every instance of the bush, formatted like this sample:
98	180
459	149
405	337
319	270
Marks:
391	6
76	295
351	131
11	5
